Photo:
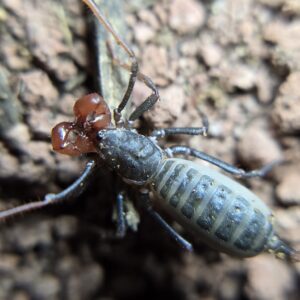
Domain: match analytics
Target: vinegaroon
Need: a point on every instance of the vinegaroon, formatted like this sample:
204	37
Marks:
220	211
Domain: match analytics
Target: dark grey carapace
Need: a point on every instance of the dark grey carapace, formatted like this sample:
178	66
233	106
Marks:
220	211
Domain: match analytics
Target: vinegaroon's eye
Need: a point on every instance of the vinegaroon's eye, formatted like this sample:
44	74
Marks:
100	135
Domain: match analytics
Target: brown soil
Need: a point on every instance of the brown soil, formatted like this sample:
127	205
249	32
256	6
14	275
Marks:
236	61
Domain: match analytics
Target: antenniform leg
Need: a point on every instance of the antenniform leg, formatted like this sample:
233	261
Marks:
75	188
134	63
170	231
221	164
134	71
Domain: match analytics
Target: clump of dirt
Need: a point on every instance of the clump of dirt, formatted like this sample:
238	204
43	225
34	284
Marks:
235	61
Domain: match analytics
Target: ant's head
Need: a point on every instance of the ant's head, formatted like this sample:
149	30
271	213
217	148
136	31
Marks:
75	138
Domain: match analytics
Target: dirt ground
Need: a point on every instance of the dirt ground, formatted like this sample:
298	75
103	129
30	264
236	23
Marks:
236	61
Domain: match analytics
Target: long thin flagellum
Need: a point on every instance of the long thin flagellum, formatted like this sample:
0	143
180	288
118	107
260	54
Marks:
282	250
295	256
22	209
93	7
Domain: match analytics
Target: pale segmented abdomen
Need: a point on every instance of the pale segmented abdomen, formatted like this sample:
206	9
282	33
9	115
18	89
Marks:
221	211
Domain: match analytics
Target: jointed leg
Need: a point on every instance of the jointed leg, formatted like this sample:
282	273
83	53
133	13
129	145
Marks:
121	222
162	132
134	64
170	231
75	188
149	102
133	75
221	164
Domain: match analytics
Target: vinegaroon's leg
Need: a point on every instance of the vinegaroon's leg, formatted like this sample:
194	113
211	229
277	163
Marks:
134	64
149	102
121	222
185	150
162	132
170	231
75	188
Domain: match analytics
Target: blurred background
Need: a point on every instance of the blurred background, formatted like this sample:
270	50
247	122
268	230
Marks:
236	61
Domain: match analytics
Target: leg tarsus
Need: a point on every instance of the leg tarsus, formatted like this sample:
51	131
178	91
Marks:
149	102
185	150
162	132
262	172
121	222
169	230
133	75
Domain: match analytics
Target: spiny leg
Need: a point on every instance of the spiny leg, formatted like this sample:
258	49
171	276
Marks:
170	231
134	64
221	164
75	188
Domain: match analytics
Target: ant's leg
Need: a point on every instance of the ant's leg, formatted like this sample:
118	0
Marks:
75	188
121	222
170	231
149	102
134	64
221	164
